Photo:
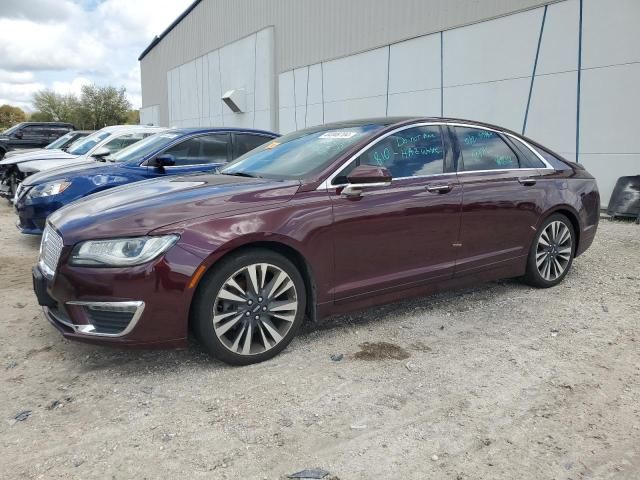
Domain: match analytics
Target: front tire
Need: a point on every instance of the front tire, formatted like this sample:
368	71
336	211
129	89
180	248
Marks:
13	183
249	307
552	252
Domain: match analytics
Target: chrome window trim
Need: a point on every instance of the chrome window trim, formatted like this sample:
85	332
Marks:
501	170
326	184
510	135
89	329
195	165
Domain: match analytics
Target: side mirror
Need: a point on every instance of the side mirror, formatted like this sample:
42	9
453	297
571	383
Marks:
100	153
18	135
162	160
364	176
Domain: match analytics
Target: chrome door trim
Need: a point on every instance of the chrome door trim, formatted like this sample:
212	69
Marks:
326	184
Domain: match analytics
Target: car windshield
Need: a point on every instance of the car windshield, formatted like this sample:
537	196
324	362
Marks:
300	154
136	152
87	143
9	131
59	142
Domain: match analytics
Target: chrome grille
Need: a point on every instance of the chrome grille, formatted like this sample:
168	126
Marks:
50	250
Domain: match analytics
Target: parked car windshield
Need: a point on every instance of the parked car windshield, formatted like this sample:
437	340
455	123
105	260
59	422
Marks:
300	154
136	152
60	141
87	143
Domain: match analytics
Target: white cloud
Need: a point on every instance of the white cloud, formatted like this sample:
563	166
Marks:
127	21
16	77
74	86
39	10
25	45
63	44
19	94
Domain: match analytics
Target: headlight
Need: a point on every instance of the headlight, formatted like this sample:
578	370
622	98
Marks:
120	252
49	189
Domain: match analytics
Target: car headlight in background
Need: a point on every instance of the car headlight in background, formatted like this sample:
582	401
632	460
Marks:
120	252
49	189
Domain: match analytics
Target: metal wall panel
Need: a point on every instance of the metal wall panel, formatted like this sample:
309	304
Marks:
307	31
195	88
337	59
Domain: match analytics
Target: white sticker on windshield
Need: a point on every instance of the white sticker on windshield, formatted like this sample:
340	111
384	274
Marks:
337	135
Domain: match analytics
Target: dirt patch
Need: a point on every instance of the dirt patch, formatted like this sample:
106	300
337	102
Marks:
380	351
504	382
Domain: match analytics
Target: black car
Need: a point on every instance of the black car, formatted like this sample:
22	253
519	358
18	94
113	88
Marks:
32	135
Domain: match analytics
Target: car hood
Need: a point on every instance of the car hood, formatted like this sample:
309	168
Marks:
40	155
22	151
66	171
141	207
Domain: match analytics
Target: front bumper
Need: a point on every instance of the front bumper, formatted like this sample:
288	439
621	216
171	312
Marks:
143	306
33	213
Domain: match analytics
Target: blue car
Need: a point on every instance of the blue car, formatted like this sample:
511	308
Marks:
172	152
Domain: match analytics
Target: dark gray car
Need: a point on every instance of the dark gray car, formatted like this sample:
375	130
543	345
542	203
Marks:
32	135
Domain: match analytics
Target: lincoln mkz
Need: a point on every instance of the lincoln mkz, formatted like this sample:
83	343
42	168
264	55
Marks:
318	222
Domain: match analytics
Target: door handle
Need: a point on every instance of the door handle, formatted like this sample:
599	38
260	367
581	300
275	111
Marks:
439	188
528	181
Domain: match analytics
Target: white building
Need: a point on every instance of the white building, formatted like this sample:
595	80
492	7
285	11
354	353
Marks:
566	73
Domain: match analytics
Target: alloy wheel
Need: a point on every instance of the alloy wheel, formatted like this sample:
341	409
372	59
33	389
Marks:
255	309
553	252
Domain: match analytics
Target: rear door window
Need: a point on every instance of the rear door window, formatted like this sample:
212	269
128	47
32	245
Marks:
484	150
552	159
123	141
32	131
244	142
528	159
212	148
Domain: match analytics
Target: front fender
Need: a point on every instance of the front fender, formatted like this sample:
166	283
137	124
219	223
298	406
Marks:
307	232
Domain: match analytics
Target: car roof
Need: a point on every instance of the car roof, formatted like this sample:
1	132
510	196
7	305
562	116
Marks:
392	122
403	120
194	130
118	128
53	124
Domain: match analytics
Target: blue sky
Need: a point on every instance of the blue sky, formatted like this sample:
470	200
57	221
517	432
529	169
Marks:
63	44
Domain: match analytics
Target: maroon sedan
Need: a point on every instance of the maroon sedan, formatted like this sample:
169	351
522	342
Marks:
321	221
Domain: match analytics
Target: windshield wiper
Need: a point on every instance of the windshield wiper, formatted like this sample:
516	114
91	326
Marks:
240	174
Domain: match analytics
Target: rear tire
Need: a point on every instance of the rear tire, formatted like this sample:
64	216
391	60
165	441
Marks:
249	307
551	253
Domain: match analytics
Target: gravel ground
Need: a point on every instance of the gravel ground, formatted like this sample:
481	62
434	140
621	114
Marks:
496	382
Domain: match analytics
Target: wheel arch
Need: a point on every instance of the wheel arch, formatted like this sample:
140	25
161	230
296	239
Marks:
573	217
291	253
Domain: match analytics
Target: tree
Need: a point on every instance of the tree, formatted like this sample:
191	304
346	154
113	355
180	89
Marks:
133	117
55	106
10	115
40	117
102	106
97	107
